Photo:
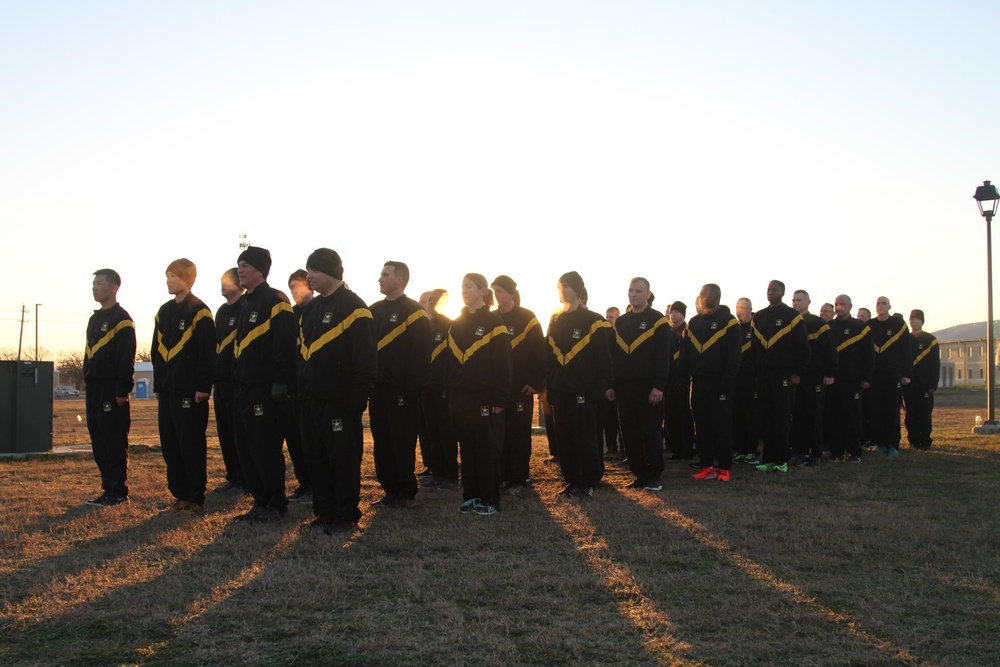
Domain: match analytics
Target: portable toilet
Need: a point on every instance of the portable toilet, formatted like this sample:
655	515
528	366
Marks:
142	388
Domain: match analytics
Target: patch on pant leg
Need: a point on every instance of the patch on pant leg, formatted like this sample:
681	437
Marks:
484	411
258	410
580	399
400	401
107	406
520	407
337	424
185	402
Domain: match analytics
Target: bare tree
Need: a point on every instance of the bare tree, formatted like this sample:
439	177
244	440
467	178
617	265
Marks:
70	367
27	354
142	353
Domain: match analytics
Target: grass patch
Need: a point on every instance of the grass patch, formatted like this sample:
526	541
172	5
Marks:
888	562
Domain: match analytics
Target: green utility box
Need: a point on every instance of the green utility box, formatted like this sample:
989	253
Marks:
25	407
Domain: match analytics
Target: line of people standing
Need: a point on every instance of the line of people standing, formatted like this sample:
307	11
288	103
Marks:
306	373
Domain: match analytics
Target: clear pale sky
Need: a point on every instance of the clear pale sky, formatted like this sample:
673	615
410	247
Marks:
834	146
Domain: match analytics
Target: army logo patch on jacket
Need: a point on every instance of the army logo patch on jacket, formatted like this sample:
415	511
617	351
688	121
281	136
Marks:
337	425
104	326
484	411
576	334
327	318
253	317
480	331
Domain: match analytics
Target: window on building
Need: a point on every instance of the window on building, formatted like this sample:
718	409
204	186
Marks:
959	373
959	353
970	352
980	373
949	352
980	350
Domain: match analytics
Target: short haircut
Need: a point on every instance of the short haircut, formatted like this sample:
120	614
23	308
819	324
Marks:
713	294
779	284
801	291
612	308
299	275
110	275
233	275
639	279
401	270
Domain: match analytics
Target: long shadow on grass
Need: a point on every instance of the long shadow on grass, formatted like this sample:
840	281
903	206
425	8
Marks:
429	585
711	546
72	539
840	564
137	602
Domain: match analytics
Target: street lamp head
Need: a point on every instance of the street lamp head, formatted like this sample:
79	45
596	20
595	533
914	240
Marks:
987	194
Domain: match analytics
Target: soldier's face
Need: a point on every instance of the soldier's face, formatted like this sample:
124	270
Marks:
174	283
774	293
842	308
800	302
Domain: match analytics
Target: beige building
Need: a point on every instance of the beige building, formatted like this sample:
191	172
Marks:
963	354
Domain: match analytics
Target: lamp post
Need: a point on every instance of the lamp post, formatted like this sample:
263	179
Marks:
987	198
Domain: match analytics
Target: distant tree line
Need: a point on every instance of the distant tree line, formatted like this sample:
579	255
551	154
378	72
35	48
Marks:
69	363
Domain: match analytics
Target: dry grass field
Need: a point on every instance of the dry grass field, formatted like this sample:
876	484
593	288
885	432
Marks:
888	562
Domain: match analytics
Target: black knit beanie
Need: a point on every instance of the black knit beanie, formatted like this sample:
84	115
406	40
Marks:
259	258
326	261
573	280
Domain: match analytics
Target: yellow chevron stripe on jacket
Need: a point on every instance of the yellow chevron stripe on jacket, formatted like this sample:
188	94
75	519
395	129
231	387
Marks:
702	348
770	342
519	338
398	331
629	349
334	333
851	341
819	332
888	343
564	359
746	347
226	342
441	347
106	338
475	347
166	354
260	329
920	357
